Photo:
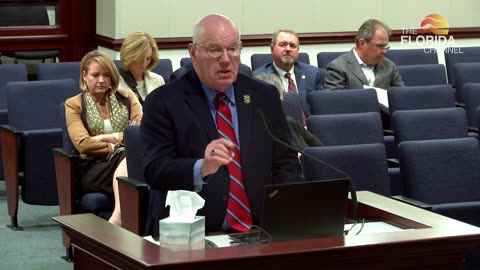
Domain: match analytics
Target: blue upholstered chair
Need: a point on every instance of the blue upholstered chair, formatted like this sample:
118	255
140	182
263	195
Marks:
465	73
353	160
259	59
429	124
471	98
452	57
344	101
56	71
421	97
164	68
8	73
185	61
403	57
346	129
133	190
417	75
323	58
33	130
292	107
356	128
445	174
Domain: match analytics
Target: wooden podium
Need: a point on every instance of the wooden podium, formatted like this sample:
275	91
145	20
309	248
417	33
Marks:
432	242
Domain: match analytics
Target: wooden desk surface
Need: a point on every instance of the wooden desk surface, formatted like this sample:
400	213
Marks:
436	242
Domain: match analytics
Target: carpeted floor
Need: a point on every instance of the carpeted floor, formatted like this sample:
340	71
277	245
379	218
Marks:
38	246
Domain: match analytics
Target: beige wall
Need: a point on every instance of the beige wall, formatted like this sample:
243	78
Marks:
172	18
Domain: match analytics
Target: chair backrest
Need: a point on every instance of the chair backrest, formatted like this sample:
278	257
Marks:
441	171
10	73
134	149
345	129
420	97
323	58
465	73
431	74
471	97
413	56
353	160
454	55
429	124
56	71
185	61
259	59
344	101
67	142
292	107
164	68
35	104
23	15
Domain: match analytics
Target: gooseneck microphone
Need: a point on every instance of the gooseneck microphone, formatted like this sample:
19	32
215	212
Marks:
353	193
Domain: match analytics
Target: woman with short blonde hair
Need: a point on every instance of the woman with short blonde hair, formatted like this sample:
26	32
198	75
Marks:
139	55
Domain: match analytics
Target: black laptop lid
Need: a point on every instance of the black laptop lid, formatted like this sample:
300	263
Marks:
305	210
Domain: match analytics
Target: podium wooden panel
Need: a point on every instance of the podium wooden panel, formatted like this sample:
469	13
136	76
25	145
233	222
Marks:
435	242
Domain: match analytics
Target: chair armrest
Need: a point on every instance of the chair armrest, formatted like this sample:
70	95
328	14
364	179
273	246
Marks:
132	183
473	129
413	202
388	132
11	129
393	162
65	174
134	203
11	140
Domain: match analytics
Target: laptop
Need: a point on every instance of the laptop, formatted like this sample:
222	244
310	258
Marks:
305	210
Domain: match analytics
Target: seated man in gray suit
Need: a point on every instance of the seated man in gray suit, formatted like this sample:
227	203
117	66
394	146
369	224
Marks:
365	65
296	76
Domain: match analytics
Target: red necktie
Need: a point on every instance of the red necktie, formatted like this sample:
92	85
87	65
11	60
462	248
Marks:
291	83
293	88
238	207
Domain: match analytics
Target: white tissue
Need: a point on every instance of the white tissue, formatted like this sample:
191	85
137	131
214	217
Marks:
183	205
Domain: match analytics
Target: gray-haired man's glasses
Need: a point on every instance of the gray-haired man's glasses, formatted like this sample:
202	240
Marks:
218	51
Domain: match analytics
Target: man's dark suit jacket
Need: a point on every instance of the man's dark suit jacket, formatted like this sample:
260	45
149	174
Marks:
177	125
307	77
242	68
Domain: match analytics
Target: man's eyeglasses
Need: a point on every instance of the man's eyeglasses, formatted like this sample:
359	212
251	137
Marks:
218	51
382	47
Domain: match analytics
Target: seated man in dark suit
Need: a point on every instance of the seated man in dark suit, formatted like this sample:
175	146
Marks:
296	76
202	134
366	64
242	68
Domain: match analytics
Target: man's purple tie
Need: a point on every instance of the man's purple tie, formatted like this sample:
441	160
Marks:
291	83
238	207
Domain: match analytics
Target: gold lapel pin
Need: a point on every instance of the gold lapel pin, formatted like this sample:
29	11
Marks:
246	99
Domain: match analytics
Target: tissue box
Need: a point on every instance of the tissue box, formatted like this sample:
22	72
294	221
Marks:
190	235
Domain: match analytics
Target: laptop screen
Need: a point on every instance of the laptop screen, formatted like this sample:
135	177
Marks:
305	210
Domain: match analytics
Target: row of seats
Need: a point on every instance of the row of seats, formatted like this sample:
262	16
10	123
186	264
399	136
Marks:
436	152
71	70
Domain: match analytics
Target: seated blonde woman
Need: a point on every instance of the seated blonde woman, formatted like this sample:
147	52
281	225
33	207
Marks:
301	137
139	55
96	119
